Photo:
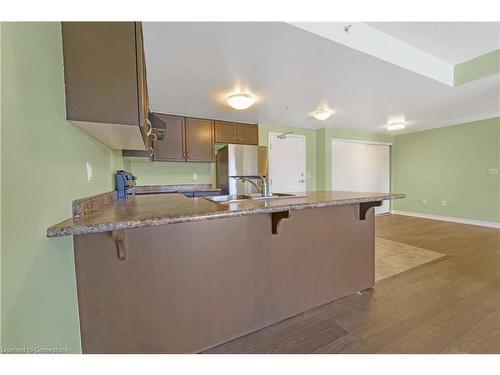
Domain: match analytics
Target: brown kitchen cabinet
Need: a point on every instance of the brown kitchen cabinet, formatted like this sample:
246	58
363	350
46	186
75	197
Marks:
172	146
199	140
239	133
184	139
105	82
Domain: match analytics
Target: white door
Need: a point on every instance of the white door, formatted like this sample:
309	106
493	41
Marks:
347	166
377	173
362	167
287	163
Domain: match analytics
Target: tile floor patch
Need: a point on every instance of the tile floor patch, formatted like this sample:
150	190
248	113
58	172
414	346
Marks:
393	257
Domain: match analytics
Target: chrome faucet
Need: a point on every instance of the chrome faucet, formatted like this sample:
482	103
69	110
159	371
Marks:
264	189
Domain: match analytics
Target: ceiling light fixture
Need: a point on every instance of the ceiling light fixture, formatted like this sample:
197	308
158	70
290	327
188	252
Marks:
240	101
396	126
322	114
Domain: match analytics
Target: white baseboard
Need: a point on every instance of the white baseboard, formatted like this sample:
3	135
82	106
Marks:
489	224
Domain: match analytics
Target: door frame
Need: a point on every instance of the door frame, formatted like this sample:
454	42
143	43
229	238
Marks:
269	136
389	144
361	141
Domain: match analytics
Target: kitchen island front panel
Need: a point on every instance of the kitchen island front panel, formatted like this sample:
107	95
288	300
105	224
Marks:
187	287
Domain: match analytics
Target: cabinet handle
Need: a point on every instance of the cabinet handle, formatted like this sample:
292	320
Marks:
150	127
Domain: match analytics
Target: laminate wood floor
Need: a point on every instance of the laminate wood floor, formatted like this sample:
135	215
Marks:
446	306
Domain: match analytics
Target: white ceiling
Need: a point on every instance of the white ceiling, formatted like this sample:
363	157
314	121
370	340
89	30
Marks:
193	66
453	42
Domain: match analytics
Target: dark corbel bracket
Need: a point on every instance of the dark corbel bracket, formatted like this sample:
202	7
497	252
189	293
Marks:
364	207
120	245
276	218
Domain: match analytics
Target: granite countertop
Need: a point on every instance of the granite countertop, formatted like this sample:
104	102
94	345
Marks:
160	209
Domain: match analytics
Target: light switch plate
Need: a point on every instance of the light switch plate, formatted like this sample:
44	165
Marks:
89	171
493	172
195	176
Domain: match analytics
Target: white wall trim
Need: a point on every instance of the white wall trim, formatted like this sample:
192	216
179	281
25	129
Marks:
480	223
336	139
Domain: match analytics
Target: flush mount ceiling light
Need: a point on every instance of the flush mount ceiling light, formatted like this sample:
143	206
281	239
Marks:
240	101
396	126
322	114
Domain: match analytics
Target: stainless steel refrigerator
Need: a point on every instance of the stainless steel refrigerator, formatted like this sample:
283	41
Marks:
236	162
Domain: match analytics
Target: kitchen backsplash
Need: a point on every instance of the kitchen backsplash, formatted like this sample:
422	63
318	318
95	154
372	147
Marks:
167	173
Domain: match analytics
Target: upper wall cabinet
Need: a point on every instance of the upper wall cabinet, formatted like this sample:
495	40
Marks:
183	139
105	81
199	140
232	132
172	146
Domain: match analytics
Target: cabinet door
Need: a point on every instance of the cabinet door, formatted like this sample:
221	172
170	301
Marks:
100	69
225	132
199	140
248	134
105	82
171	147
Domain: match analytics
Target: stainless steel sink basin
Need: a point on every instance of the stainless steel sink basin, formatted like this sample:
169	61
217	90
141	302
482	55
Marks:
274	196
228	198
224	199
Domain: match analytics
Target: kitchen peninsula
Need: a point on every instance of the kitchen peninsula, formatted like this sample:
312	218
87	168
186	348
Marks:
165	273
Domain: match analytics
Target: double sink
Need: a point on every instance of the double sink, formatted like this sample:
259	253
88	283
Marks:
223	199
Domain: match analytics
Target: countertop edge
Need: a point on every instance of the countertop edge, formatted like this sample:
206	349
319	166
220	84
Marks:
54	232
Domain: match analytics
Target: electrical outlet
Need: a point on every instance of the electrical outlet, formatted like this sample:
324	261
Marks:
89	171
195	176
423	201
444	203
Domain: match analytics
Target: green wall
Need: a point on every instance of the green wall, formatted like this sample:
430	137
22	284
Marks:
450	164
43	161
153	173
479	67
0	183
